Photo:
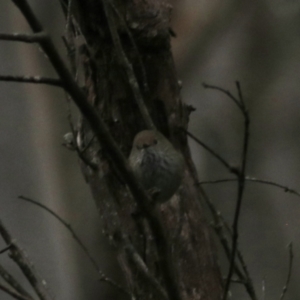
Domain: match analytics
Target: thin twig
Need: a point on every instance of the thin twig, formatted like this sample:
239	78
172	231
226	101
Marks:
241	183
241	98
237	281
70	142
87	145
103	277
32	79
249	283
226	92
240	257
23	37
5	249
241	186
13	282
257	180
87	162
127	66
288	279
211	151
134	258
219	225
19	257
12	293
80	152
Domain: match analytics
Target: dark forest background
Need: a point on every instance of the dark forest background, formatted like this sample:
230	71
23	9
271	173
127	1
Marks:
218	42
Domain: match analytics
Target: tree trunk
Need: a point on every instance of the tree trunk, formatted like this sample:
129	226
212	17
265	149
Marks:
143	28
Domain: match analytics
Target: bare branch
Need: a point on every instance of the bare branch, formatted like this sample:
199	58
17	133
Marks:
211	151
257	180
103	277
241	184
13	282
70	142
219	225
249	283
32	79
19	257
13	293
91	164
291	257
239	173
5	249
23	37
226	92
135	258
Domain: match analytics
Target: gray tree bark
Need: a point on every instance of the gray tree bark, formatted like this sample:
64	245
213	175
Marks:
144	31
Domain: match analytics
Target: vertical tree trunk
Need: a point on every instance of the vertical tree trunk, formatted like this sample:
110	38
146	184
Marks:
142	25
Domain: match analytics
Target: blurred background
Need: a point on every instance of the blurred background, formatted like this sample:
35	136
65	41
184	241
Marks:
218	42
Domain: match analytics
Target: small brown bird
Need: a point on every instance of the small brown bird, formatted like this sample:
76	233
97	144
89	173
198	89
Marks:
157	165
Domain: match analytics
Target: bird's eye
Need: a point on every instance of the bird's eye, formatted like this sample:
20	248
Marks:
155	142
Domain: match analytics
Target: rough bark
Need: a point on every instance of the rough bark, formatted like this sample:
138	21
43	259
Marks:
191	252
